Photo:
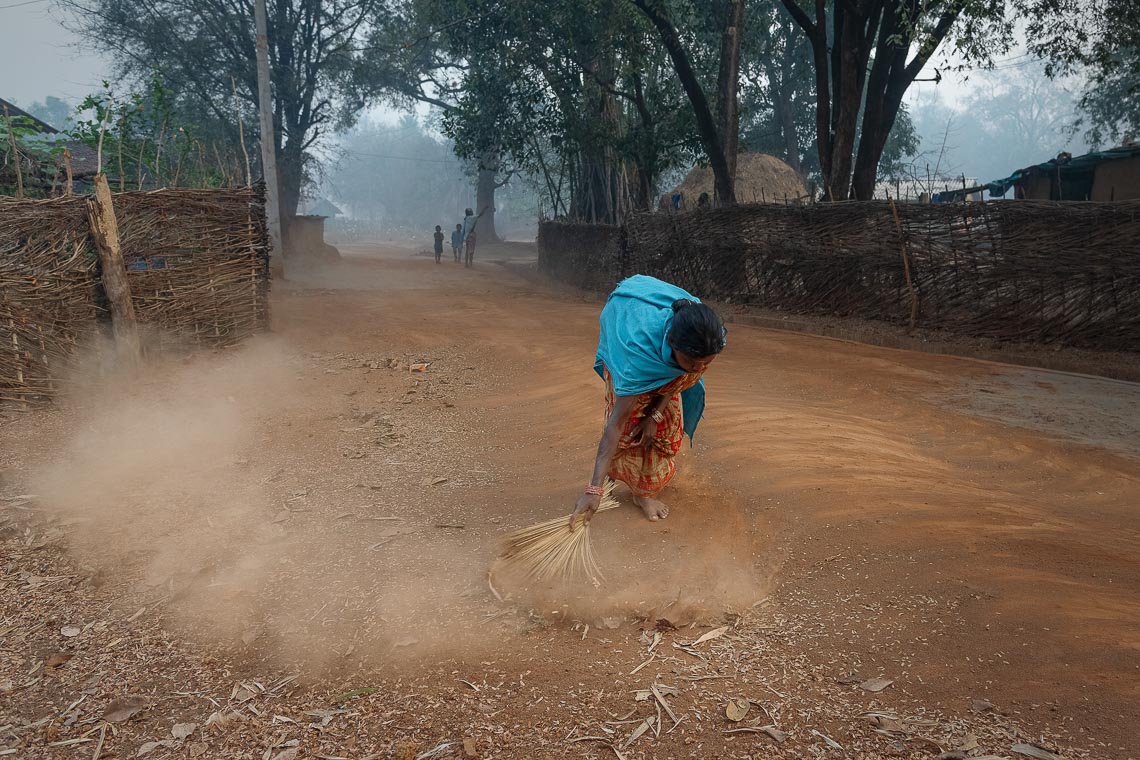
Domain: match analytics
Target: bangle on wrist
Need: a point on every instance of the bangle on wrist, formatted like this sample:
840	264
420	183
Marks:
594	490
657	415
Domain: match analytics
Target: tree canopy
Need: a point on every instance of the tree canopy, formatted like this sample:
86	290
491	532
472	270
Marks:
598	100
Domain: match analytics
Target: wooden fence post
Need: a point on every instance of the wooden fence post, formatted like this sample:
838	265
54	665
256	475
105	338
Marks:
906	264
15	155
105	232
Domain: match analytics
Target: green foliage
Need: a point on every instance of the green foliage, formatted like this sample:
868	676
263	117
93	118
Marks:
149	141
1100	40
204	50
1110	103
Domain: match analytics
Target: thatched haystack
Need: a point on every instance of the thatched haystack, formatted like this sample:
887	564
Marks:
760	178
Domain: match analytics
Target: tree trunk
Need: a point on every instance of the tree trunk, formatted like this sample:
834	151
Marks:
646	156
599	196
782	111
848	76
723	179
485	187
728	82
841	79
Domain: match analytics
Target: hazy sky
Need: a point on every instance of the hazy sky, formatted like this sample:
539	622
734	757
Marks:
39	57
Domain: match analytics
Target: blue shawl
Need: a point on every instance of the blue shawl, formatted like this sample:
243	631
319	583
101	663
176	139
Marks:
635	321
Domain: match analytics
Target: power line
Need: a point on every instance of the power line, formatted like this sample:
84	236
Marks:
400	158
20	5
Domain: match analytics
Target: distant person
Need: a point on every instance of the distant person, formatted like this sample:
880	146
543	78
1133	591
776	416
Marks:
469	220
438	243
470	243
457	241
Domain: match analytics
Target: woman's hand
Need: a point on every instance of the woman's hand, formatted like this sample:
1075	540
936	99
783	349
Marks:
644	433
587	505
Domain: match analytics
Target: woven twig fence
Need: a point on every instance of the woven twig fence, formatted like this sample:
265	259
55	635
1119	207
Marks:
584	255
1046	272
47	293
197	263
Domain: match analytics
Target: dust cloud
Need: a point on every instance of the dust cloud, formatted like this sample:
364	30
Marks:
208	490
186	491
155	480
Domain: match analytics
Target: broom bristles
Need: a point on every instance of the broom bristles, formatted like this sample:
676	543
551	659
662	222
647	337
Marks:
553	550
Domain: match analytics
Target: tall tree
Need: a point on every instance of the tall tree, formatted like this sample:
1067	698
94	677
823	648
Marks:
202	47
1100	40
1024	112
865	55
719	132
52	110
573	92
777	88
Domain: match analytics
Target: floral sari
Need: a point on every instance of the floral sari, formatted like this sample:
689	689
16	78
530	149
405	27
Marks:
648	469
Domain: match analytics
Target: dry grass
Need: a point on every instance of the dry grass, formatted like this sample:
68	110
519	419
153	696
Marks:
552	550
760	178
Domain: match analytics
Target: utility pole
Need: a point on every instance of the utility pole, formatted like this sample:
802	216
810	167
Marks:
268	142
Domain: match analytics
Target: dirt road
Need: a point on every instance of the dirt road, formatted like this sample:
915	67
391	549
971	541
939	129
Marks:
287	545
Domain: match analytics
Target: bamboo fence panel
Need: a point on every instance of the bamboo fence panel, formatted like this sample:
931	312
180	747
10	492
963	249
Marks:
1037	271
197	263
48	299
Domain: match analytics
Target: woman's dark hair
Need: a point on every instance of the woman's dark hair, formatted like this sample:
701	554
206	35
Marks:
696	331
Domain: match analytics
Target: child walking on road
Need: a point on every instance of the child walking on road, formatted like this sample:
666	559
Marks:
438	243
470	248
457	241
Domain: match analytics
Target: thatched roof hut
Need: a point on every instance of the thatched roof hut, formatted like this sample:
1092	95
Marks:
760	178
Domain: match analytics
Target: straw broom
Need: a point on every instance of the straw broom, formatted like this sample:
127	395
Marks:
552	550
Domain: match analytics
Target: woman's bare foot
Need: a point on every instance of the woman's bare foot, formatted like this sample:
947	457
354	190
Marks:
653	509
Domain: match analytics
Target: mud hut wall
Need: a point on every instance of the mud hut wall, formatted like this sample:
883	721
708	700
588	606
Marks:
1039	271
197	264
1117	180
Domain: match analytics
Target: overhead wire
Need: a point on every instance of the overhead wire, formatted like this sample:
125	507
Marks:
21	5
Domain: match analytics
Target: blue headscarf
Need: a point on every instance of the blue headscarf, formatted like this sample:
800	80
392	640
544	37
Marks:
633	347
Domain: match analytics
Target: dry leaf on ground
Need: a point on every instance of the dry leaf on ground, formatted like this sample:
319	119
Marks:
715	633
827	740
875	685
183	730
120	710
149	747
1032	750
736	709
55	659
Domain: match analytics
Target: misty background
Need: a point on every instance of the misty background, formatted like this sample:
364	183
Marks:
395	175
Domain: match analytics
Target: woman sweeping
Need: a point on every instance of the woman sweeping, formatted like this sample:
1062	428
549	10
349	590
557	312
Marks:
656	343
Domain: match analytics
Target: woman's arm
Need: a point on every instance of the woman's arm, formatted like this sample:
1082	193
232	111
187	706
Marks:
646	430
607	447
